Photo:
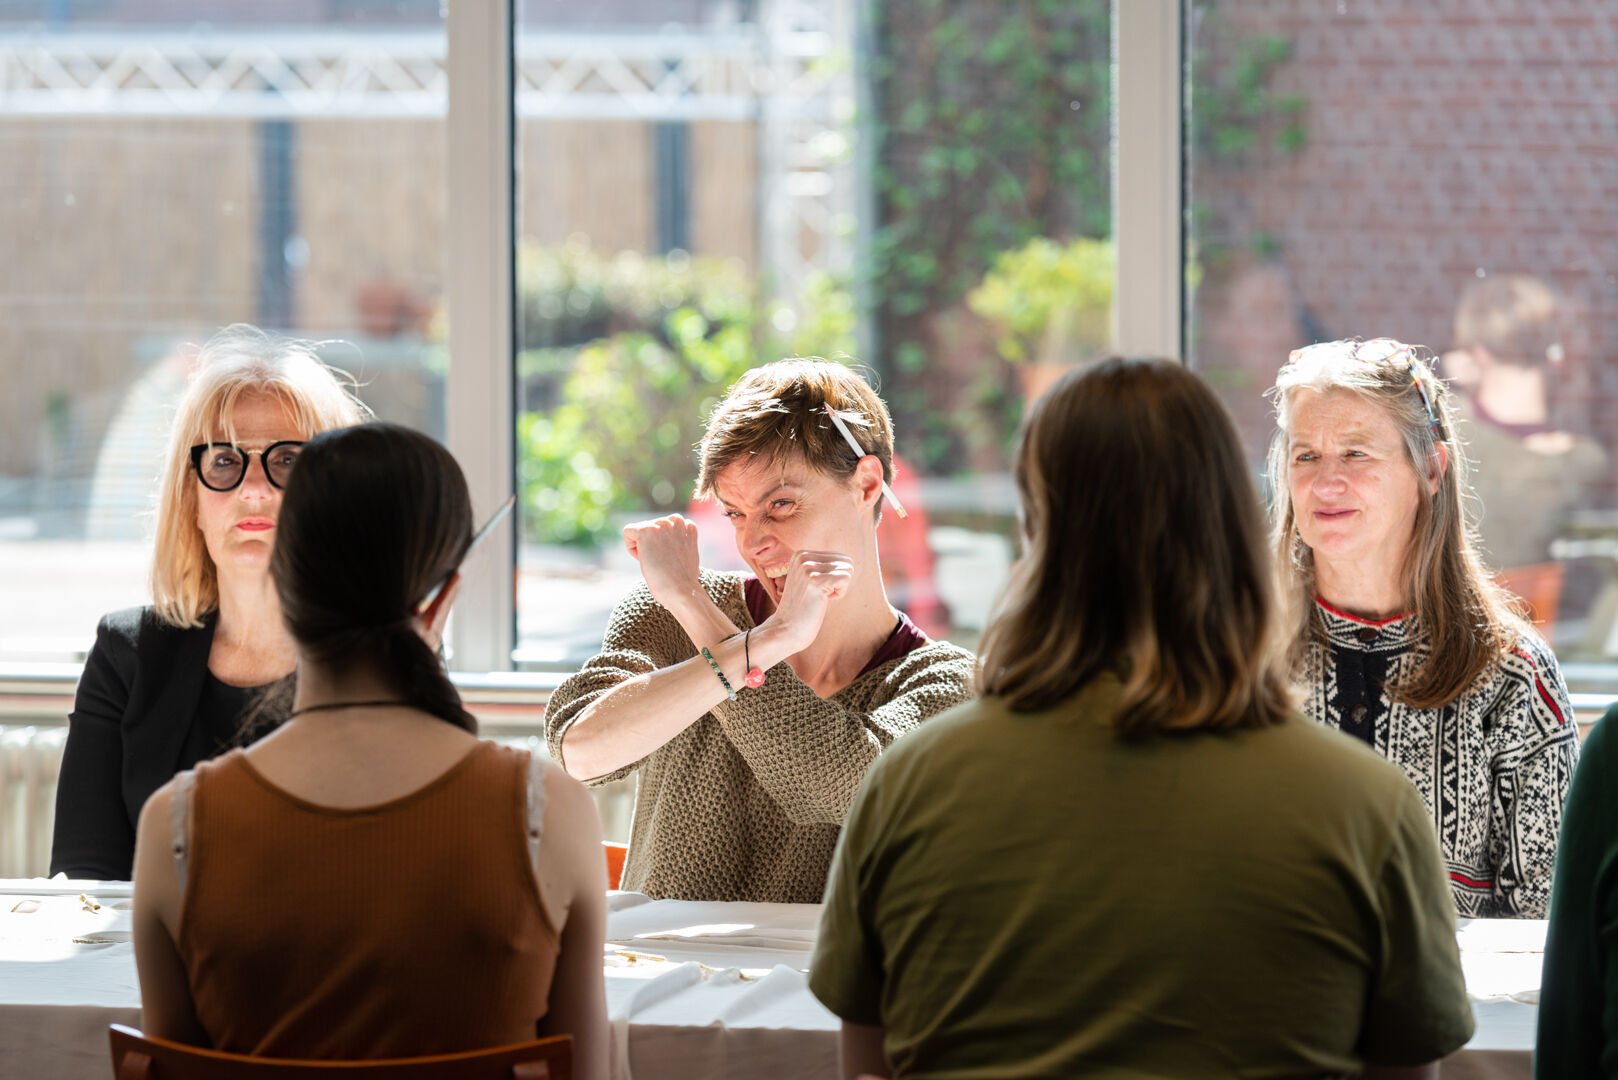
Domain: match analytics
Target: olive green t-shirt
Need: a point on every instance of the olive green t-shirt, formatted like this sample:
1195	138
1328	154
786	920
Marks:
1578	997
1028	895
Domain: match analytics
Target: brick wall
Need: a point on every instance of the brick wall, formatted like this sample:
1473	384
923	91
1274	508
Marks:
1444	137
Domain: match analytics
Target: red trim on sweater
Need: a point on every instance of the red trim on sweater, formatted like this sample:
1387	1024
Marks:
1474	882
1544	695
1363	622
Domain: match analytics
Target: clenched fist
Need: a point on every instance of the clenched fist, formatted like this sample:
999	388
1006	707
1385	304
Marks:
815	580
666	549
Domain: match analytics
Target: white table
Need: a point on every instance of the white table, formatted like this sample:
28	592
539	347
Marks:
693	989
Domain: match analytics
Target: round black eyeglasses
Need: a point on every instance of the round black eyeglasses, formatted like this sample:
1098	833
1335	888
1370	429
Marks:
222	466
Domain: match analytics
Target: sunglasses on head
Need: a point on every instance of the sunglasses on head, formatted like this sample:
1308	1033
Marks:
1385	351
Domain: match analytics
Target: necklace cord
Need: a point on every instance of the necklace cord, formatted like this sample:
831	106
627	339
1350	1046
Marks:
333	705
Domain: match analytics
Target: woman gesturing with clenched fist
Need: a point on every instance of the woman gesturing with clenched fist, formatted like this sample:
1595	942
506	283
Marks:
752	704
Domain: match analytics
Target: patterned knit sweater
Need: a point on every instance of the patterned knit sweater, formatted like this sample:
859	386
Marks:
1493	766
747	802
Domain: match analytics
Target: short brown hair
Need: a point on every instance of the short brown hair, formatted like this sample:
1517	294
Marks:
779	409
1145	558
1516	317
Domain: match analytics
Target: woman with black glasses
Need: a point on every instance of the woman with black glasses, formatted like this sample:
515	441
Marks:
169	685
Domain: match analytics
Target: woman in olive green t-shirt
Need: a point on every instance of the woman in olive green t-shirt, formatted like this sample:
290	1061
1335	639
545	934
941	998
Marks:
1133	856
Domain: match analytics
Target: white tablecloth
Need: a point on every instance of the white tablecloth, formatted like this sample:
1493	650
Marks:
693	989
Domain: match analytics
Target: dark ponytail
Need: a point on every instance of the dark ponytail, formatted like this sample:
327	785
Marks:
374	517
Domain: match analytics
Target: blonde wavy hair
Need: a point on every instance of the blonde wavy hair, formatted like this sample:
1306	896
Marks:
238	361
1468	620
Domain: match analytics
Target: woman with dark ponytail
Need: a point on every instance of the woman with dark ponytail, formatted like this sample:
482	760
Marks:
372	880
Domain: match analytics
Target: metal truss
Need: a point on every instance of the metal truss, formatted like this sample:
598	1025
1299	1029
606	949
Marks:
808	181
687	76
791	73
269	76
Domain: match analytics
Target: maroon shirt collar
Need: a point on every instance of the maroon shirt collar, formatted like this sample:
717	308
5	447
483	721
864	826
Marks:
905	639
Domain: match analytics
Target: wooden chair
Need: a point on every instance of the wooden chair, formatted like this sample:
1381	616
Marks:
144	1057
616	854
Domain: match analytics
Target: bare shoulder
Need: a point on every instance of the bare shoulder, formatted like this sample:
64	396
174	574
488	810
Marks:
569	867
157	887
568	799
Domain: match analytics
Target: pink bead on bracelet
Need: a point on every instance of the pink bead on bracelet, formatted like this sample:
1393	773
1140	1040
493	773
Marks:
755	676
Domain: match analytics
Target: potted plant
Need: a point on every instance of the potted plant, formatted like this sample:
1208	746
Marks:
1050	302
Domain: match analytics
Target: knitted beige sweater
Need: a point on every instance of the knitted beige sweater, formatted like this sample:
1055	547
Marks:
747	802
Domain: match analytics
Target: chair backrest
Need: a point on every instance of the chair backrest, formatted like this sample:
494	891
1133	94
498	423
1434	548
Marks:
1540	587
143	1057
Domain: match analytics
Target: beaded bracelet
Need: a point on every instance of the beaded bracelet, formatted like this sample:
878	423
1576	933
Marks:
755	676
708	656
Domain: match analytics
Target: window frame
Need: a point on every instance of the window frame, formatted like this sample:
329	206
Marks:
1148	218
480	418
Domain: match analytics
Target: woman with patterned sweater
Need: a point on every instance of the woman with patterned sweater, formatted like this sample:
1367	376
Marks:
752	705
1401	636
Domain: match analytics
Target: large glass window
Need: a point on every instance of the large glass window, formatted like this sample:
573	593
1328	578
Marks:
170	168
1441	176
704	186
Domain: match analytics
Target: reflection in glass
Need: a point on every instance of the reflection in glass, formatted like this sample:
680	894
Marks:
1356	173
706	186
174	168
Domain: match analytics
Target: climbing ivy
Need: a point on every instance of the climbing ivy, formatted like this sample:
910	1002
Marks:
992	126
1238	122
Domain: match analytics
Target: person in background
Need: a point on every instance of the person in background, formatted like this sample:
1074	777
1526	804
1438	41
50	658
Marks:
1578	996
1398	633
1529	474
371	880
751	704
169	685
1132	856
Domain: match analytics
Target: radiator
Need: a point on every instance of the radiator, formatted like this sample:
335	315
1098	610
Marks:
30	758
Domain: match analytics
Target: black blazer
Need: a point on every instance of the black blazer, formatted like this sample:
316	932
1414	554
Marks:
126	737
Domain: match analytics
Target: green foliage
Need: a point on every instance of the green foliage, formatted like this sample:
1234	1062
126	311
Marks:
571	294
1046	283
621	437
1233	109
995	134
824	323
992	131
1239	121
609	425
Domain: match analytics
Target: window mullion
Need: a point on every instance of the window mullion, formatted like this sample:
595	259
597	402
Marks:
479	413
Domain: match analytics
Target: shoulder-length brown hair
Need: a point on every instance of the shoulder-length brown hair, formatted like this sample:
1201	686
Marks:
239	360
1467	620
1145	557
